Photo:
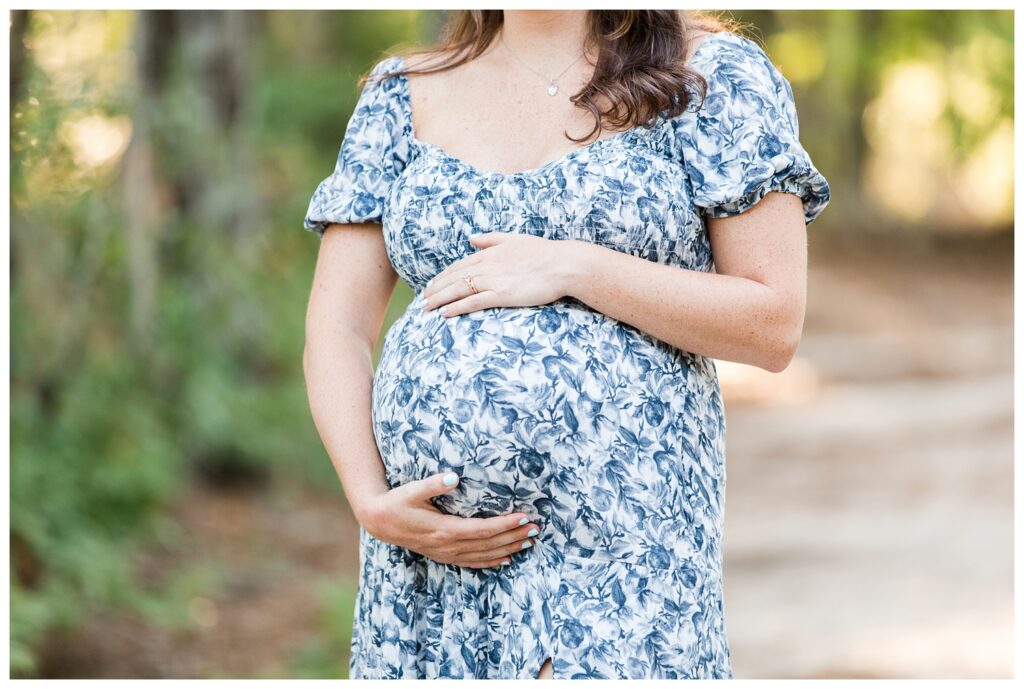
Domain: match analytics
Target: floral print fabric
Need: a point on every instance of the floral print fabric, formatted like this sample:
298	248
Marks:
608	438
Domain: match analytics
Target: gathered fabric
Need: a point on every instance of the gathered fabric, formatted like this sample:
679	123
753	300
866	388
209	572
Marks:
608	438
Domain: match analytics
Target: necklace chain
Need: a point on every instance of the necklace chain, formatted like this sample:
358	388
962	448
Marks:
552	82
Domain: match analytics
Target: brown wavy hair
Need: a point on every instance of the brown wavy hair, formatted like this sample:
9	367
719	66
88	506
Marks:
640	70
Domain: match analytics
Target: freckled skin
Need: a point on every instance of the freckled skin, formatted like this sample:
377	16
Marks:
575	384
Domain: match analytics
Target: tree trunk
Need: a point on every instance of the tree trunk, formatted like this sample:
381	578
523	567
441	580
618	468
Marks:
19	27
154	44
219	187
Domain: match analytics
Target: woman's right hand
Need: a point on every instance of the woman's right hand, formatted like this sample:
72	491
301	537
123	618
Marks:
404	516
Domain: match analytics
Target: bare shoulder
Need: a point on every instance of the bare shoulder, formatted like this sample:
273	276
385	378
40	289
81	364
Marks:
427	90
424	84
426	59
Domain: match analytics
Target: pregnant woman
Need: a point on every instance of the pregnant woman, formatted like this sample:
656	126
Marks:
537	463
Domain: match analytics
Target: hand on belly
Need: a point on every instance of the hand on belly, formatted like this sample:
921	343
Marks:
405	516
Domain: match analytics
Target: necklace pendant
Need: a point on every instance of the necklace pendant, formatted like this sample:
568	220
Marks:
552	88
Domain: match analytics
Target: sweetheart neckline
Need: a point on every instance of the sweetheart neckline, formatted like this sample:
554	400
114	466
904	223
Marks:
415	141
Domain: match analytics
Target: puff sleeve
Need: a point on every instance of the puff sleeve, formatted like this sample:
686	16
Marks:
744	140
373	153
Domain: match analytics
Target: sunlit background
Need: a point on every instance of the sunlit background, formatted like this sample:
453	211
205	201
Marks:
173	513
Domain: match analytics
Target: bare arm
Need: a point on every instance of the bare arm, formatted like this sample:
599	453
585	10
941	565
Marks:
751	310
352	285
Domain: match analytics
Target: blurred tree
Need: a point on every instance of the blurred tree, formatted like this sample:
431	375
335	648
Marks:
156	35
161	164
19	24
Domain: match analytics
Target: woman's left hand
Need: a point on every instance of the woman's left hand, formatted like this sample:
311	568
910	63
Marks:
510	270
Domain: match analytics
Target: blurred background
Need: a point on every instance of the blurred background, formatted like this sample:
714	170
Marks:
173	513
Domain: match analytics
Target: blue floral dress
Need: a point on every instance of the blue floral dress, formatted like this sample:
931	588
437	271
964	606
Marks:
610	439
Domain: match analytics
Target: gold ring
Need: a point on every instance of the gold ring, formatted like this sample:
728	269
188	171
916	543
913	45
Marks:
469	281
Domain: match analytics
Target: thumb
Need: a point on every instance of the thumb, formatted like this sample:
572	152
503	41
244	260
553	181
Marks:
438	484
484	239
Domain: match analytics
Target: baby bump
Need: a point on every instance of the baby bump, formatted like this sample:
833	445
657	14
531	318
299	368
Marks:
519	403
472	394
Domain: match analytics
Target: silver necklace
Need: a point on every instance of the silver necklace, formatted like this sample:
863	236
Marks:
552	83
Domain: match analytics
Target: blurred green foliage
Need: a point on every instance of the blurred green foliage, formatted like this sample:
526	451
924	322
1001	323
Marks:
149	349
108	427
328	654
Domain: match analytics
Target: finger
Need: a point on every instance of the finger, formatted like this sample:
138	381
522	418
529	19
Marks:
437	293
506	550
485	299
453	273
447	293
438	484
485	239
508	538
477	528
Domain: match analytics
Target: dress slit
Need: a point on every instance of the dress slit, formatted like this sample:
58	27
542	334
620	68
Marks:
539	669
